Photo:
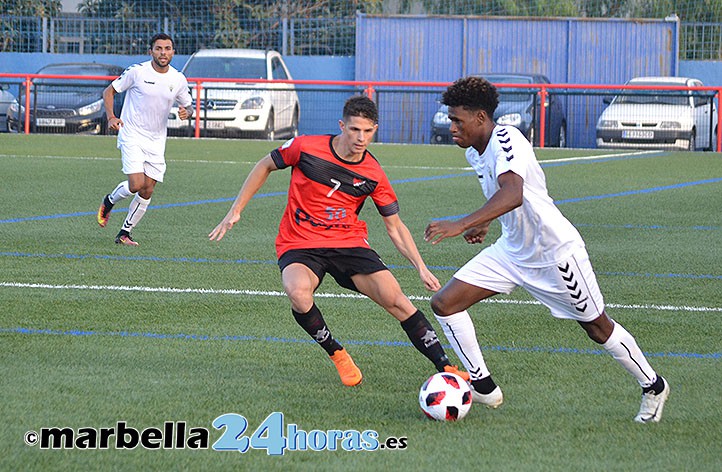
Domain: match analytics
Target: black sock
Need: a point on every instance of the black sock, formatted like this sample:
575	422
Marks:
484	386
656	387
314	324
424	339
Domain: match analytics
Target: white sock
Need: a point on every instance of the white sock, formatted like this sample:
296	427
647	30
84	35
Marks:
459	330
136	210
121	192
623	347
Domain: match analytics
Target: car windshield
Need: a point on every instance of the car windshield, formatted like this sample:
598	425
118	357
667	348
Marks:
659	97
75	85
226	68
512	94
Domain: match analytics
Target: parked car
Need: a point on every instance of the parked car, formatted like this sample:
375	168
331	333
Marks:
66	105
659	119
261	109
6	99
519	107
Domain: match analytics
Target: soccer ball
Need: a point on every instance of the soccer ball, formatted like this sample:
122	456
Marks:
445	397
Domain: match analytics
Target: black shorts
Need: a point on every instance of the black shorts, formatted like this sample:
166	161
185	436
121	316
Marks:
341	263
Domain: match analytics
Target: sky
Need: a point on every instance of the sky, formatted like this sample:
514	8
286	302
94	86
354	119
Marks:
70	6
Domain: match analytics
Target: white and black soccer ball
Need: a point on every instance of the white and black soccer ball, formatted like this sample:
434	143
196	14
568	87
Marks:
445	397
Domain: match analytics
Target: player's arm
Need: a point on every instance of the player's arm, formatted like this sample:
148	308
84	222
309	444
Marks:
185	110
404	242
114	122
508	197
254	181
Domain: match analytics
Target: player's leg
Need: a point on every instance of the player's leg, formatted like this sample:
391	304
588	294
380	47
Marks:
383	288
570	290
142	186
450	305
299	283
132	158
485	275
623	347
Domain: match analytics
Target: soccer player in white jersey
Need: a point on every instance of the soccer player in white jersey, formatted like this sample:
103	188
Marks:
151	87
539	249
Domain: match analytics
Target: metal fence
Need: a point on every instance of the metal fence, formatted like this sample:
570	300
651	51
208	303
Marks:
290	36
80	35
652	117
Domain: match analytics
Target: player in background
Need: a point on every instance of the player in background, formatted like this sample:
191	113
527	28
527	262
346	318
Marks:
539	249
320	232
151	88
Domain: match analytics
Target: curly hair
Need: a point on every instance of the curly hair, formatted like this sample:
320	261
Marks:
360	105
472	93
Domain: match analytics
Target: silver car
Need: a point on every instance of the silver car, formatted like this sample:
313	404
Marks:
6	99
248	109
659	119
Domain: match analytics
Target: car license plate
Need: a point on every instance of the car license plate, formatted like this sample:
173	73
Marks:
215	125
50	122
637	134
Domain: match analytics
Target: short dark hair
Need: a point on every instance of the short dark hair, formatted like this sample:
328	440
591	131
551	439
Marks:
361	105
472	93
161	36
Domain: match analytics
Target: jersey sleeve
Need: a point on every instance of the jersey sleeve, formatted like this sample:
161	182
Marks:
288	154
384	197
126	79
183	97
512	152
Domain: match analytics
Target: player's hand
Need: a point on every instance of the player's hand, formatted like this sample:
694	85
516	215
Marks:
184	113
440	230
430	281
476	235
223	227
115	123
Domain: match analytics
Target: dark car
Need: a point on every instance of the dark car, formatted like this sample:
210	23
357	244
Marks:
66	105
519	107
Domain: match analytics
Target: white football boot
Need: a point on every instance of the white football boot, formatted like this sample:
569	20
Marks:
652	405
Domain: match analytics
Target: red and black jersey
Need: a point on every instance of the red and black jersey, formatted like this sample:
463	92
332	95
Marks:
326	194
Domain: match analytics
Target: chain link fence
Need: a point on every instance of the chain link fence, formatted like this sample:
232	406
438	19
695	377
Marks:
301	27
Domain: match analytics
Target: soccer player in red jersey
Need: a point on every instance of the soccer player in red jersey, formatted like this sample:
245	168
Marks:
320	232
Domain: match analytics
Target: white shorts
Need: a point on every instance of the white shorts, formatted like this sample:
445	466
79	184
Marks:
569	289
136	160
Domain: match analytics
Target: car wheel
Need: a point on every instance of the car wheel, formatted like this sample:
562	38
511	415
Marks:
270	132
692	142
563	135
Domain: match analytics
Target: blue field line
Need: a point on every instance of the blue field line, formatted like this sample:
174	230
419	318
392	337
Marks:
274	339
120	210
275	194
204	260
136	258
640	191
614	195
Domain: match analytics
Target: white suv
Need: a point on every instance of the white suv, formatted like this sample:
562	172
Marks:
261	109
661	119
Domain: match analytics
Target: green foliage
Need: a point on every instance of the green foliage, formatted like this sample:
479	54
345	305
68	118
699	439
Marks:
40	8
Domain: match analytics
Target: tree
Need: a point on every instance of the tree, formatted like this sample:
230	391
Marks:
39	8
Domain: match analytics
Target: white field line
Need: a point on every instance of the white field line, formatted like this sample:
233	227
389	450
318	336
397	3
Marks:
273	293
202	161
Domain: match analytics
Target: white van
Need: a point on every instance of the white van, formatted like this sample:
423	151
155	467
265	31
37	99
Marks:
661	119
244	108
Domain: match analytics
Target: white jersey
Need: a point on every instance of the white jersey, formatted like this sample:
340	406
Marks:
149	98
535	234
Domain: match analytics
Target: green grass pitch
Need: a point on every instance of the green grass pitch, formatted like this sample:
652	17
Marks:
181	329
